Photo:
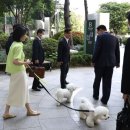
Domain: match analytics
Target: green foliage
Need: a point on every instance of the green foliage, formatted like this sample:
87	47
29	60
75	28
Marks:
117	15
28	49
49	8
78	38
77	22
80	59
3	39
57	35
124	40
50	46
22	10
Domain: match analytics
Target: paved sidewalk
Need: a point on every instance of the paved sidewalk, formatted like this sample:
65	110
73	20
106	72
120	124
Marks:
60	118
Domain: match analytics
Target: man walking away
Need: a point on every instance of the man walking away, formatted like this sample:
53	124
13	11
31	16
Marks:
106	56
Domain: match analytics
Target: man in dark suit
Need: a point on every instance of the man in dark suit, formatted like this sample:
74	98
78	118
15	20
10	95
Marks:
10	38
125	82
64	56
106	56
37	56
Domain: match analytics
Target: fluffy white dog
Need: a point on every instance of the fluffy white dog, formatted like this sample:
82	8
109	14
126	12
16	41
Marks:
64	95
92	118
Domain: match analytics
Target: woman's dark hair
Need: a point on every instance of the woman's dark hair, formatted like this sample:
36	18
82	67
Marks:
18	33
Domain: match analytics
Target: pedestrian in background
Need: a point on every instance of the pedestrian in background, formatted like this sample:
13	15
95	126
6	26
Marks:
106	56
18	88
64	56
10	38
37	56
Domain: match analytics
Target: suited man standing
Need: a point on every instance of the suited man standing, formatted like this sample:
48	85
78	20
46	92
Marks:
64	56
106	56
125	82
37	56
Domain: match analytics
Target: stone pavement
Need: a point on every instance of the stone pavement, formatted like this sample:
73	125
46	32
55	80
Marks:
61	118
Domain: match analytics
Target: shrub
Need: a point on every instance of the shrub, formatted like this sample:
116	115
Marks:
78	37
124	40
3	39
58	35
50	46
28	49
80	59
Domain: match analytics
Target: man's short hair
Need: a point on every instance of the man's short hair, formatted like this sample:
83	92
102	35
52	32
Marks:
128	16
103	27
40	30
67	30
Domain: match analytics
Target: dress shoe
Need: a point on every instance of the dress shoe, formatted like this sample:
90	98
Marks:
36	89
8	116
104	103
95	98
66	82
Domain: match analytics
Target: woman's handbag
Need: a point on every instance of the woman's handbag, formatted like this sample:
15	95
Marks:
39	71
123	118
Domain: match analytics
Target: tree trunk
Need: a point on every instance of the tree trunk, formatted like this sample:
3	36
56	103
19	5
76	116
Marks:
86	10
67	14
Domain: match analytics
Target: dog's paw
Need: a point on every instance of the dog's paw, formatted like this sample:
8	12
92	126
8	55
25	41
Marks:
82	116
89	122
97	122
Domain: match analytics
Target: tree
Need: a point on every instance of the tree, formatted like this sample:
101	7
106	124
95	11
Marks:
22	9
77	22
67	14
86	10
117	15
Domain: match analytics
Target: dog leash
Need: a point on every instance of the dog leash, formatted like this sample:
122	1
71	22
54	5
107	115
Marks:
38	78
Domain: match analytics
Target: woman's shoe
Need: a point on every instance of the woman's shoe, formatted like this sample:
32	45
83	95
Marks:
34	113
8	116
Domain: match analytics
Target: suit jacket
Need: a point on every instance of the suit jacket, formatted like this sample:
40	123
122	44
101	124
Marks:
125	83
106	52
63	51
9	43
37	51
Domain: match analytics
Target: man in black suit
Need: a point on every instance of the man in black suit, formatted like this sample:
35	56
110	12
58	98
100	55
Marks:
64	56
10	38
106	56
125	82
37	56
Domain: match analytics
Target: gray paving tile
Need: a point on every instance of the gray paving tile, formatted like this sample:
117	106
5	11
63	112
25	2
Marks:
53	113
59	124
21	123
34	128
61	118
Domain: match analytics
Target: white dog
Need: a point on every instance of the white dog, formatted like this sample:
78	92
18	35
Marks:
64	95
92	118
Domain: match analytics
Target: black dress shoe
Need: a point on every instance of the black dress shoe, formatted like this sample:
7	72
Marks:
66	82
36	89
104	103
95	98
